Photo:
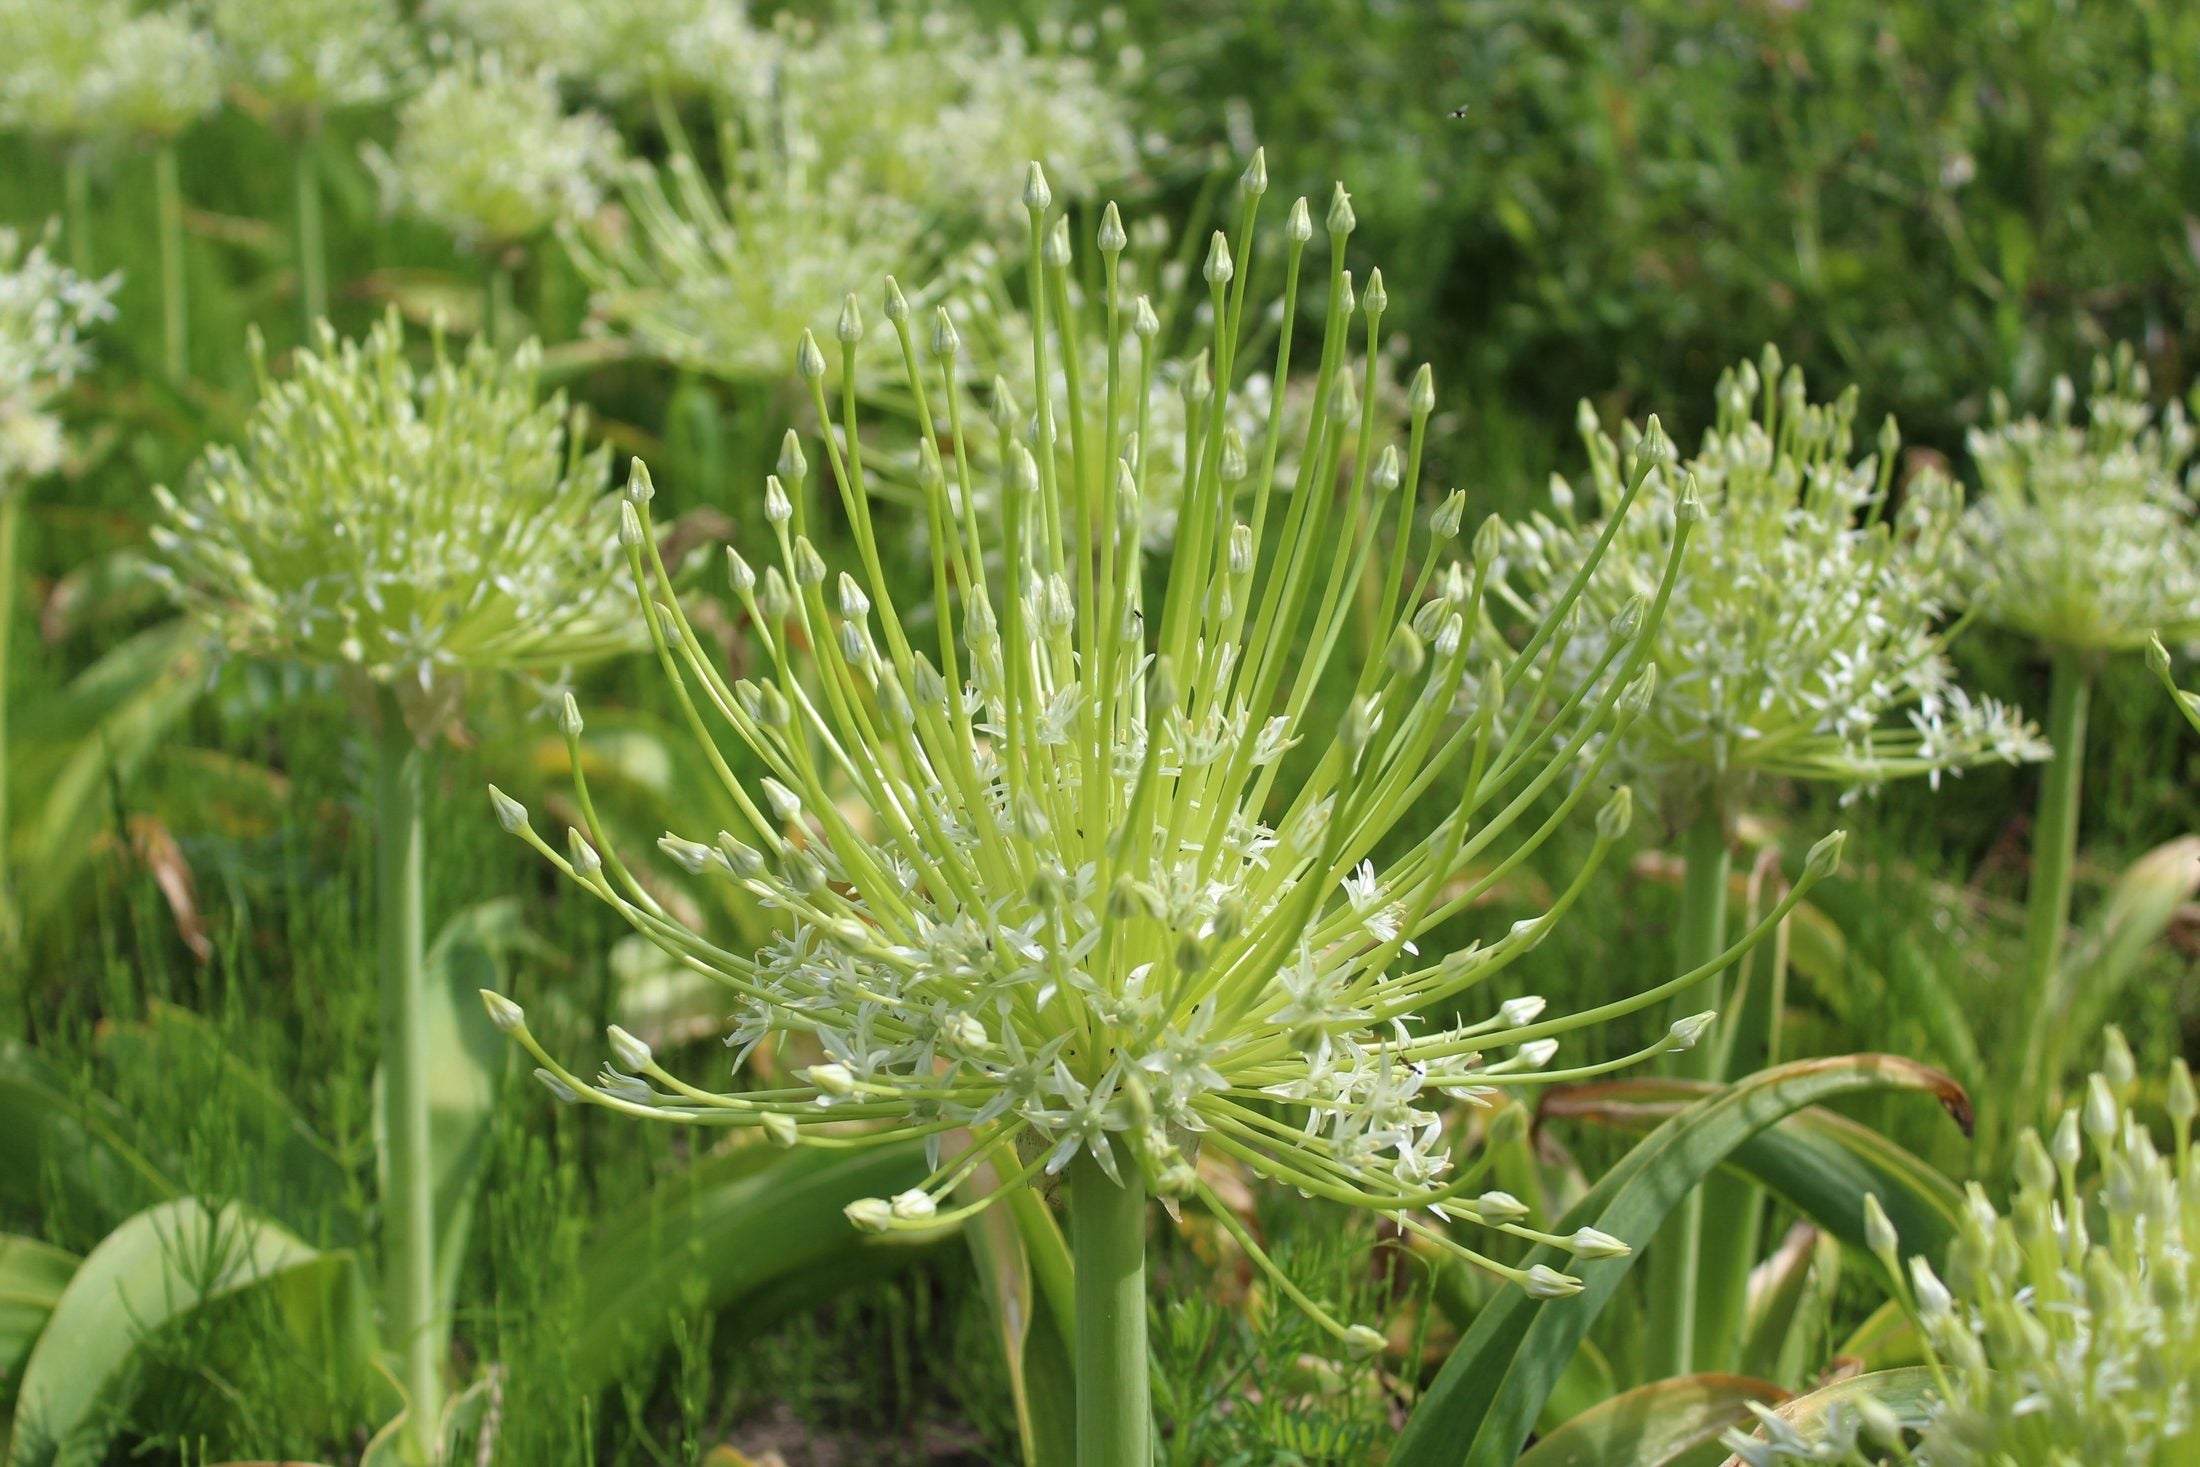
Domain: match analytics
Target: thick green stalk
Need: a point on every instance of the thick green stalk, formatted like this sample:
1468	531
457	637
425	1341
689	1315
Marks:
411	1309
175	317
496	299
312	250
1699	936
2047	902
11	518
1107	1240
76	207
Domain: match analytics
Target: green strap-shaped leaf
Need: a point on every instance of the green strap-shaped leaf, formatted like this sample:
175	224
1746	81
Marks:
1654	1425
82	1149
1483	1402
1819	1163
755	1227
158	1266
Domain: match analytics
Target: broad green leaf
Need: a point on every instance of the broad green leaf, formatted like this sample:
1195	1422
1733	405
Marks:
1024	1269
1482	1403
32	1278
1819	1163
1654	1425
753	1228
1790	1314
1905	1392
159	1265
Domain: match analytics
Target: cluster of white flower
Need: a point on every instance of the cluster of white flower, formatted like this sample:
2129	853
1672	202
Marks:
489	152
932	108
417	524
2067	1330
2083	535
308	57
721	282
621	49
97	70
45	309
1805	640
1048	887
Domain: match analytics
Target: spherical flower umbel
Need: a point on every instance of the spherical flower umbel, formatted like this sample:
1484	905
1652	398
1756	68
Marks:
417	523
2083	534
45	310
1098	860
94	70
307	57
620	49
1806	640
488	151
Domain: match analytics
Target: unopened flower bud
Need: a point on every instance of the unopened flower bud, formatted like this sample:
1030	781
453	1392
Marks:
1825	857
809	362
1253	182
780	1127
1687	1031
1218	269
778	508
1340	219
1037	195
1377	299
631	1053
1590	1243
1544	1282
832	1078
1421	395
870	1214
1362	1342
511	814
639	488
503	1013
1299	226
1499	1207
1111	238
1514	1012
946	340
914	1205
1617	814
565	1093
897	304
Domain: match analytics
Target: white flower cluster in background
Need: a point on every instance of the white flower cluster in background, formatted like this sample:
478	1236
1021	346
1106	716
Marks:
1806	638
417	523
45	310
621	49
307	57
488	151
98	70
1086	855
2083	534
721	281
2066	1332
936	109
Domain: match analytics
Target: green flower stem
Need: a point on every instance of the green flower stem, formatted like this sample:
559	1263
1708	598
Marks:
1674	1260
175	317
2054	848
496	298
312	250
408	1204
76	207
11	519
1107	1239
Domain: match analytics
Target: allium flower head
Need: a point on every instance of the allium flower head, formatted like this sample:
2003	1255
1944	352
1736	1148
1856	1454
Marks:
1107	856
94	70
620	49
417	523
942	112
1805	641
2067	1330
312	56
720	281
488	151
45	309
2083	533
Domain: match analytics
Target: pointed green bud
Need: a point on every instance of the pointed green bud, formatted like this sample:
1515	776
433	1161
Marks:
1298	227
569	717
1421	396
870	1214
1591	1243
1377	299
564	1093
2158	657
1500	1207
833	1079
1489	538
582	856
1825	857
946	340
1056	252
1218	268
1879	1232
778	505
1253	182
632	1054
1340	219
2117	1064
1037	196
809	362
2179	1100
1444	524
1390	471
1144	321
1544	1282
779	1127
503	1013
2102	1114
1687	1033
1111	237
793	467
639	487
1405	656
850	327
630	525
1362	1342
897	304
511	814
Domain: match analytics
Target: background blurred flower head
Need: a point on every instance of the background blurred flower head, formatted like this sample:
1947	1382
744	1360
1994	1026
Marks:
2083	533
417	523
1806	638
621	49
306	57
488	151
98	71
45	311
